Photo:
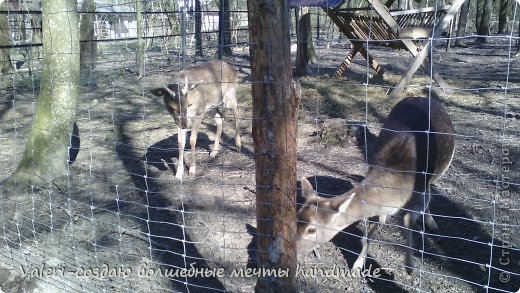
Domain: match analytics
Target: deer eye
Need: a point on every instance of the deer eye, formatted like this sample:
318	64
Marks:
311	230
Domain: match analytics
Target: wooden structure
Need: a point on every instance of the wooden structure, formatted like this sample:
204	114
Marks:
362	25
378	25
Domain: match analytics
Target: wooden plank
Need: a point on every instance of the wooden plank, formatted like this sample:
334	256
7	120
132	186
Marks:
439	28
371	61
420	10
348	60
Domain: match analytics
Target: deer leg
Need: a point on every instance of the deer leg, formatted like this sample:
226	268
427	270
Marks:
181	139
430	222
193	143
218	134
428	218
231	103
409	221
238	141
372	228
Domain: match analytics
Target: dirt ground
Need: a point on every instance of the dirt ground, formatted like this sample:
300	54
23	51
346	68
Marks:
121	207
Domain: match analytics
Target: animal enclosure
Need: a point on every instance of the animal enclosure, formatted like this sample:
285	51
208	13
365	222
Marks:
120	220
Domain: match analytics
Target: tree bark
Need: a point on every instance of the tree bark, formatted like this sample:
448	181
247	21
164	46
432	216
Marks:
6	66
305	48
88	45
402	4
198	29
484	29
479	11
275	111
139	58
224	27
46	152
463	20
503	14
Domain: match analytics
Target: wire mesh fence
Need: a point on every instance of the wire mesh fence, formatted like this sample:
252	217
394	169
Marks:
121	221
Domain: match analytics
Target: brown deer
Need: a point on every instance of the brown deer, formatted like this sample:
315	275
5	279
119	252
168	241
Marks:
415	147
196	90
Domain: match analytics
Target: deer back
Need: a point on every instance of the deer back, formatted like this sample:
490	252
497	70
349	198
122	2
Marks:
416	139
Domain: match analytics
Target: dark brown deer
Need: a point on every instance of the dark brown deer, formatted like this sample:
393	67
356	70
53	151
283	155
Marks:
415	147
196	90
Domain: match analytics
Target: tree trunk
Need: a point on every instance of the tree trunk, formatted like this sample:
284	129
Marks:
224	28
463	20
479	10
402	4
198	29
305	48
88	45
503	15
275	111
6	66
46	152
139	59
485	21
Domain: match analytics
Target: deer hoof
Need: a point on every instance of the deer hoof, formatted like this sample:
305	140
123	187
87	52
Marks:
192	171
213	154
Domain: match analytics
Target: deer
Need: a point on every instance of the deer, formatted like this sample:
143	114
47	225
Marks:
414	148
195	91
414	32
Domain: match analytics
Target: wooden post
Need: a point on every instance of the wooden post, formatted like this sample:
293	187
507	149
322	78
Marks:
275	111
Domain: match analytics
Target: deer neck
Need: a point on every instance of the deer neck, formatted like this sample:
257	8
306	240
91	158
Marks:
378	195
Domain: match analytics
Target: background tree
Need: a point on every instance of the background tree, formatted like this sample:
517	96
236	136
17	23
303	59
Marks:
305	52
198	29
402	4
505	8
139	58
5	53
485	24
275	113
46	152
461	26
483	19
88	45
224	28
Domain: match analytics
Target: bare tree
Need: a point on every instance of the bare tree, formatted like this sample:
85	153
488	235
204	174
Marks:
5	40
503	14
275	111
484	28
305	49
483	19
88	45
46	152
139	58
463	20
198	29
224	28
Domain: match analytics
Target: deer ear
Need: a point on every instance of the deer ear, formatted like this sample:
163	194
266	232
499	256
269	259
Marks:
307	191
170	90
345	202
158	92
196	84
184	89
